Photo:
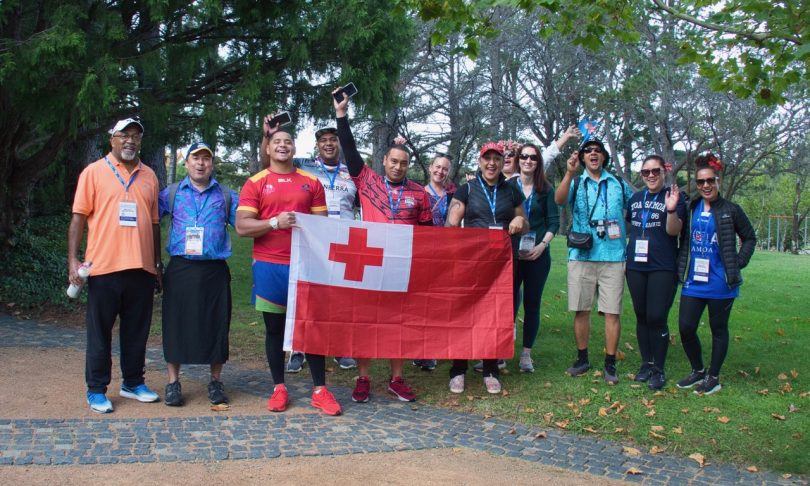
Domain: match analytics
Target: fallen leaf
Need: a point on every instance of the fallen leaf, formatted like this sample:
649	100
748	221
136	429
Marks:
220	407
591	430
697	457
752	469
634	471
744	428
631	451
763	392
651	413
547	417
512	431
547	384
684	410
657	428
659	393
656	435
738	338
647	403
777	416
620	355
616	404
794	374
756	370
723	419
619	409
711	409
504	393
597	374
782	376
742	373
677	430
594	390
635	385
796	435
563	424
628	346
793	408
540	435
470	397
780	332
607	397
618	430
804	394
673	340
657	450
786	388
528	410
787	476
584	401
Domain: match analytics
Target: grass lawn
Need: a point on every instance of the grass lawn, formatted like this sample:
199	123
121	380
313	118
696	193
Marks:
759	418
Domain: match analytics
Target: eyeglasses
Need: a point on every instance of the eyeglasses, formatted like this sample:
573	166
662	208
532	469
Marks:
508	154
135	137
588	150
648	172
534	157
702	182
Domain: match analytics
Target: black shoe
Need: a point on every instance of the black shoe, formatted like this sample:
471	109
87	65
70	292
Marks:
644	372
173	396
428	364
296	362
610	374
709	385
578	368
216	392
693	379
657	379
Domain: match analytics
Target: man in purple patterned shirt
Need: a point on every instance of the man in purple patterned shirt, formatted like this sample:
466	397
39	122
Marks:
197	281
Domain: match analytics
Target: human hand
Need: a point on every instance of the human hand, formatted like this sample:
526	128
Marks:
516	225
341	107
673	197
572	164
286	220
270	130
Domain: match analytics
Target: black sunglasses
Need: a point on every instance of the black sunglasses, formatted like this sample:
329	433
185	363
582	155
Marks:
534	157
648	172
702	182
588	150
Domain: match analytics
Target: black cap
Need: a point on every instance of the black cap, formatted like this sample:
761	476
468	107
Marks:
597	142
323	131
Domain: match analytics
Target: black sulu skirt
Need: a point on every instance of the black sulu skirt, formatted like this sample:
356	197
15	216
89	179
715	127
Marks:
196	311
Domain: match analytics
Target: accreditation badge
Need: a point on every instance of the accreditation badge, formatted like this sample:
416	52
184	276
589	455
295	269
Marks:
527	243
701	273
194	240
495	227
127	213
332	204
613	230
642	249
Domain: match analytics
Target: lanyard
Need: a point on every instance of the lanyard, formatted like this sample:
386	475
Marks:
442	202
527	204
703	225
491	200
326	173
596	203
198	210
121	179
645	211
394	209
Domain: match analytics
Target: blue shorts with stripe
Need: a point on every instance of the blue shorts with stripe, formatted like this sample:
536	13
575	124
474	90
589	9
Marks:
270	284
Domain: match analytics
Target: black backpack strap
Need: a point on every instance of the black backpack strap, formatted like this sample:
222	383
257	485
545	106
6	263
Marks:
226	195
172	195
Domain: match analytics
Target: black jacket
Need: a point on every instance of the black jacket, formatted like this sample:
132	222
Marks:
730	221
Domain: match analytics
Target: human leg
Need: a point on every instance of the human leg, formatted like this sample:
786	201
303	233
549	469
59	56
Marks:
135	320
274	344
719	313
637	285
689	313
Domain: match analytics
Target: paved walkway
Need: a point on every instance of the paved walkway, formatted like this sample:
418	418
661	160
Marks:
379	426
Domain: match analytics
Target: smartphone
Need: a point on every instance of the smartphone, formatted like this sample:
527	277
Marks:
280	120
348	90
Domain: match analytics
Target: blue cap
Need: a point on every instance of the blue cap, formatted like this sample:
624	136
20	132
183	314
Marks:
196	147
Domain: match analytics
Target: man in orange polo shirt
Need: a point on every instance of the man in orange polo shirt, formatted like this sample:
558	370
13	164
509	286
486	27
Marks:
117	199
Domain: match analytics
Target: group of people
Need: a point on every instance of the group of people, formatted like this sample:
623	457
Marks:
653	238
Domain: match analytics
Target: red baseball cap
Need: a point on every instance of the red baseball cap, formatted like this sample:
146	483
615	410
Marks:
492	146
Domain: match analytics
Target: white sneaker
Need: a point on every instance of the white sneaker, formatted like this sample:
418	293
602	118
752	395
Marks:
492	384
526	363
457	384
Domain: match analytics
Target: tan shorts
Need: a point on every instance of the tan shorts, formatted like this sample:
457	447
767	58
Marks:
587	278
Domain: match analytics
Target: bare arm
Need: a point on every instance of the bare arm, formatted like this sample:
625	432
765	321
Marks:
561	194
674	223
519	224
455	213
248	223
75	234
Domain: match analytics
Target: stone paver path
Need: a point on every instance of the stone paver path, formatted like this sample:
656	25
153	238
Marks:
382	425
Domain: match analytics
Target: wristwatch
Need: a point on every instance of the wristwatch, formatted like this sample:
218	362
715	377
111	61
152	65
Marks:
274	223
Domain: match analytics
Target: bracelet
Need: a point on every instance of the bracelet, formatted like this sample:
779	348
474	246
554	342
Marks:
670	212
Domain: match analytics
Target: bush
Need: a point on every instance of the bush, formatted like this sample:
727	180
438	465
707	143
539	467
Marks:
35	270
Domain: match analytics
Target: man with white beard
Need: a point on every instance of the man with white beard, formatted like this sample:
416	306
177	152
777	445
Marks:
117	199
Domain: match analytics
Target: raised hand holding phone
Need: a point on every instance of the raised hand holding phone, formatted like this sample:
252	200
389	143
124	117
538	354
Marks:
345	92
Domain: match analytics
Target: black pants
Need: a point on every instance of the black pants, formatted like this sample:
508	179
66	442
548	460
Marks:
690	312
460	366
274	348
533	276
127	295
652	294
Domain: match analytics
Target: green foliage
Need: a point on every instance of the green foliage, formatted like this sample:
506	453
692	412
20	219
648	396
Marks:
35	270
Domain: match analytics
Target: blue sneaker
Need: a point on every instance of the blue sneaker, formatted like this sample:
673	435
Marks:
142	393
99	403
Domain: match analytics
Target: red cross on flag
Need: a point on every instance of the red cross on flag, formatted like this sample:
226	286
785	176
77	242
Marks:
376	290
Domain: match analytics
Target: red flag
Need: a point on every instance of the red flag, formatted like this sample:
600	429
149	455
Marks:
375	290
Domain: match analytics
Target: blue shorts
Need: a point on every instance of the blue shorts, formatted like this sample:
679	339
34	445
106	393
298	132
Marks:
270	284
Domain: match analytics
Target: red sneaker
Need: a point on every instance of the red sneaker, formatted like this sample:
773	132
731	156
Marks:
361	389
324	400
278	401
402	391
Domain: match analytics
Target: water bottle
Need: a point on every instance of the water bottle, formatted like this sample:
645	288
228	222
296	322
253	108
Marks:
84	272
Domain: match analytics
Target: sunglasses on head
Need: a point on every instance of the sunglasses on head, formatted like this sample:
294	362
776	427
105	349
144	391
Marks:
648	172
533	157
702	182
594	148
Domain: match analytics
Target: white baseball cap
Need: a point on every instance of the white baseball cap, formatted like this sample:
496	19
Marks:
122	124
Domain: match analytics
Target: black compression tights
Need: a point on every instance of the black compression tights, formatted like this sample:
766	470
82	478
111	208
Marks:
652	294
274	348
719	312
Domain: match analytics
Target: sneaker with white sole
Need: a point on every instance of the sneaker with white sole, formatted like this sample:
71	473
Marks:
296	362
99	402
695	377
526	364
479	366
142	393
457	384
345	363
710	384
493	385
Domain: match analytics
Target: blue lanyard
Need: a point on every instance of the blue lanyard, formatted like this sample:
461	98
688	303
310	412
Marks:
705	223
198	210
326	173
645	211
442	201
493	200
394	209
527	204
121	179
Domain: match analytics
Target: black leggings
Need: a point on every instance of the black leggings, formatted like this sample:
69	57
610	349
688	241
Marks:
690	312
274	348
652	294
533	276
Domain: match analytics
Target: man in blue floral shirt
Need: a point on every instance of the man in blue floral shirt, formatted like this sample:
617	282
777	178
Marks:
197	281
